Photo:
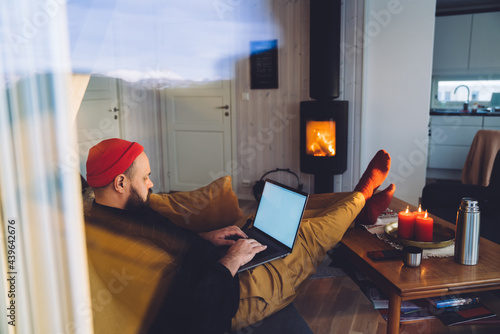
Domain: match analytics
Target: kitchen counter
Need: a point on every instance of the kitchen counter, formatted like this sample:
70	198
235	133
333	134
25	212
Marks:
448	112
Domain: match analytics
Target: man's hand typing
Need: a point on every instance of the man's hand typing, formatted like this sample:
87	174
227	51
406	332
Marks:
240	253
219	237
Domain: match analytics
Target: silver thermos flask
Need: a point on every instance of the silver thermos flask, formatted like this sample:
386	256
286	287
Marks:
467	232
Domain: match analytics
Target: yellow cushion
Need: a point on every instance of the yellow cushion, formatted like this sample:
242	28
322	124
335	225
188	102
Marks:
211	207
129	277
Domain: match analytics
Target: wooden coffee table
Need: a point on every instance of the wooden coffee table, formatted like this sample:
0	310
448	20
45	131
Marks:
435	276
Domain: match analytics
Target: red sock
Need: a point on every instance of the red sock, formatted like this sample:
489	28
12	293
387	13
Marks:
376	205
375	174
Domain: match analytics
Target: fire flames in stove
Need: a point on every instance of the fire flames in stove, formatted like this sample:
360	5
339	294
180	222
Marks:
323	141
320	138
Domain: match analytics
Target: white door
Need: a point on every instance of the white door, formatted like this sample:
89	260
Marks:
197	49
98	117
198	134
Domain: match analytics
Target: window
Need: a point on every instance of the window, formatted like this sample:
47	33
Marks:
453	92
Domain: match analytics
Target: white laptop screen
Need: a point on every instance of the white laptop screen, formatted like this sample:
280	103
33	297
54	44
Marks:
279	214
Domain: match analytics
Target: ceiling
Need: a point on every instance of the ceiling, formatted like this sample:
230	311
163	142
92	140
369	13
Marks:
456	7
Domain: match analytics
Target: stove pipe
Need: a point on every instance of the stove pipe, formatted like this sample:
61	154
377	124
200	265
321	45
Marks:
324	64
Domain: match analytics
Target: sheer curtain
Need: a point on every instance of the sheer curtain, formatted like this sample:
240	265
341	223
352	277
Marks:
43	260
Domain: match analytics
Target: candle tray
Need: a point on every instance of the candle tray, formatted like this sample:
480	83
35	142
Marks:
442	236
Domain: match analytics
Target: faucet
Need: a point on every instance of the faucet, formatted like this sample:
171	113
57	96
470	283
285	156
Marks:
466	103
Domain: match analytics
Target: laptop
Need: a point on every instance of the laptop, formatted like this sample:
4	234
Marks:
276	222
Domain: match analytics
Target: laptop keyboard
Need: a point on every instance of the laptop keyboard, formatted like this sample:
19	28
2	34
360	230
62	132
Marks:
269	250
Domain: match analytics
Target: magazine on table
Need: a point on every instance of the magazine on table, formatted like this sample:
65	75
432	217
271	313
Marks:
453	300
461	314
407	316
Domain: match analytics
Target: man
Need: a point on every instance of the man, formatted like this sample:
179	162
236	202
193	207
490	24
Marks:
207	295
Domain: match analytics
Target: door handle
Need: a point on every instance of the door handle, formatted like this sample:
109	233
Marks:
223	107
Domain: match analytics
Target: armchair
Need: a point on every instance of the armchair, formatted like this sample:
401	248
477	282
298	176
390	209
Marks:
443	200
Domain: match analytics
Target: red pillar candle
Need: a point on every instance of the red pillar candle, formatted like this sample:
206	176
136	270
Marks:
424	227
406	223
419	212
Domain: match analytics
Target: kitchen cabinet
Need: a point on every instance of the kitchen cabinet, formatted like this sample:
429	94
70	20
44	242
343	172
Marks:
451	43
491	123
467	44
485	41
450	138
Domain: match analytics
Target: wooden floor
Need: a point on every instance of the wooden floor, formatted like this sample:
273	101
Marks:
337	305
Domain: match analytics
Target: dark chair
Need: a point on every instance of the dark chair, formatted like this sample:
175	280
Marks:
443	200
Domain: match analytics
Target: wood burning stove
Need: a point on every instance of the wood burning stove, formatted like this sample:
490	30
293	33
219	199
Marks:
323	141
323	122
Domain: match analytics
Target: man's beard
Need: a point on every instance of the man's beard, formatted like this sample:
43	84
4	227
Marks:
135	202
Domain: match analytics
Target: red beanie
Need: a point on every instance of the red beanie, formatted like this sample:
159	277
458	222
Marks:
108	159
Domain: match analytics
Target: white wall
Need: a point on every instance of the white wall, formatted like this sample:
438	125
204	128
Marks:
397	62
